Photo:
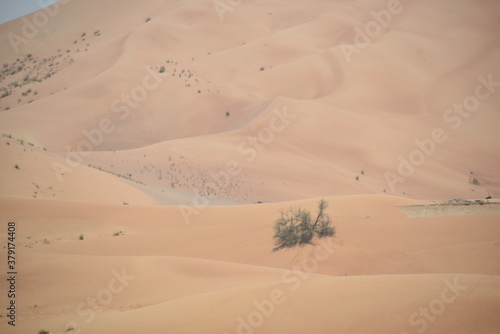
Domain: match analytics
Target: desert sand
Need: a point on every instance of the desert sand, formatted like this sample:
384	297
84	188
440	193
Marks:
148	147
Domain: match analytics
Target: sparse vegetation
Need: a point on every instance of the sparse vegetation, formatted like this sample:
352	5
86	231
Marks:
116	234
148	19
16	166
473	180
81	237
43	331
295	227
127	177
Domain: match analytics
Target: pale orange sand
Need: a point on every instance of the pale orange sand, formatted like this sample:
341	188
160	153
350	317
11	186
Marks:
194	116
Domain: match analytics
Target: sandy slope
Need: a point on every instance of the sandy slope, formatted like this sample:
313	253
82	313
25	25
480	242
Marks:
27	171
350	116
262	106
201	275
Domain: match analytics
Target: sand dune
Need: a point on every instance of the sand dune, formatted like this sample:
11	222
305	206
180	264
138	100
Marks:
406	75
203	275
32	172
148	147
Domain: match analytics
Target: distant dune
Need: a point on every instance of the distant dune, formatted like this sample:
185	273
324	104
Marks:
148	147
366	99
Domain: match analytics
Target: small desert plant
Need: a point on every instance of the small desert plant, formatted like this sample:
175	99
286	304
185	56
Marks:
148	19
16	166
162	69
81	237
295	227
43	331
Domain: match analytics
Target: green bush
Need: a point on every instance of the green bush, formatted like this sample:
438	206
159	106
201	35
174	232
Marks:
295	227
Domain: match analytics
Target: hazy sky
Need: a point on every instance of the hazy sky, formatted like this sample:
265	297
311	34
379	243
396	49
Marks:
12	9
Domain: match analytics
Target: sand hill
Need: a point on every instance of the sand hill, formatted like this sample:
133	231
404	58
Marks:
148	147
